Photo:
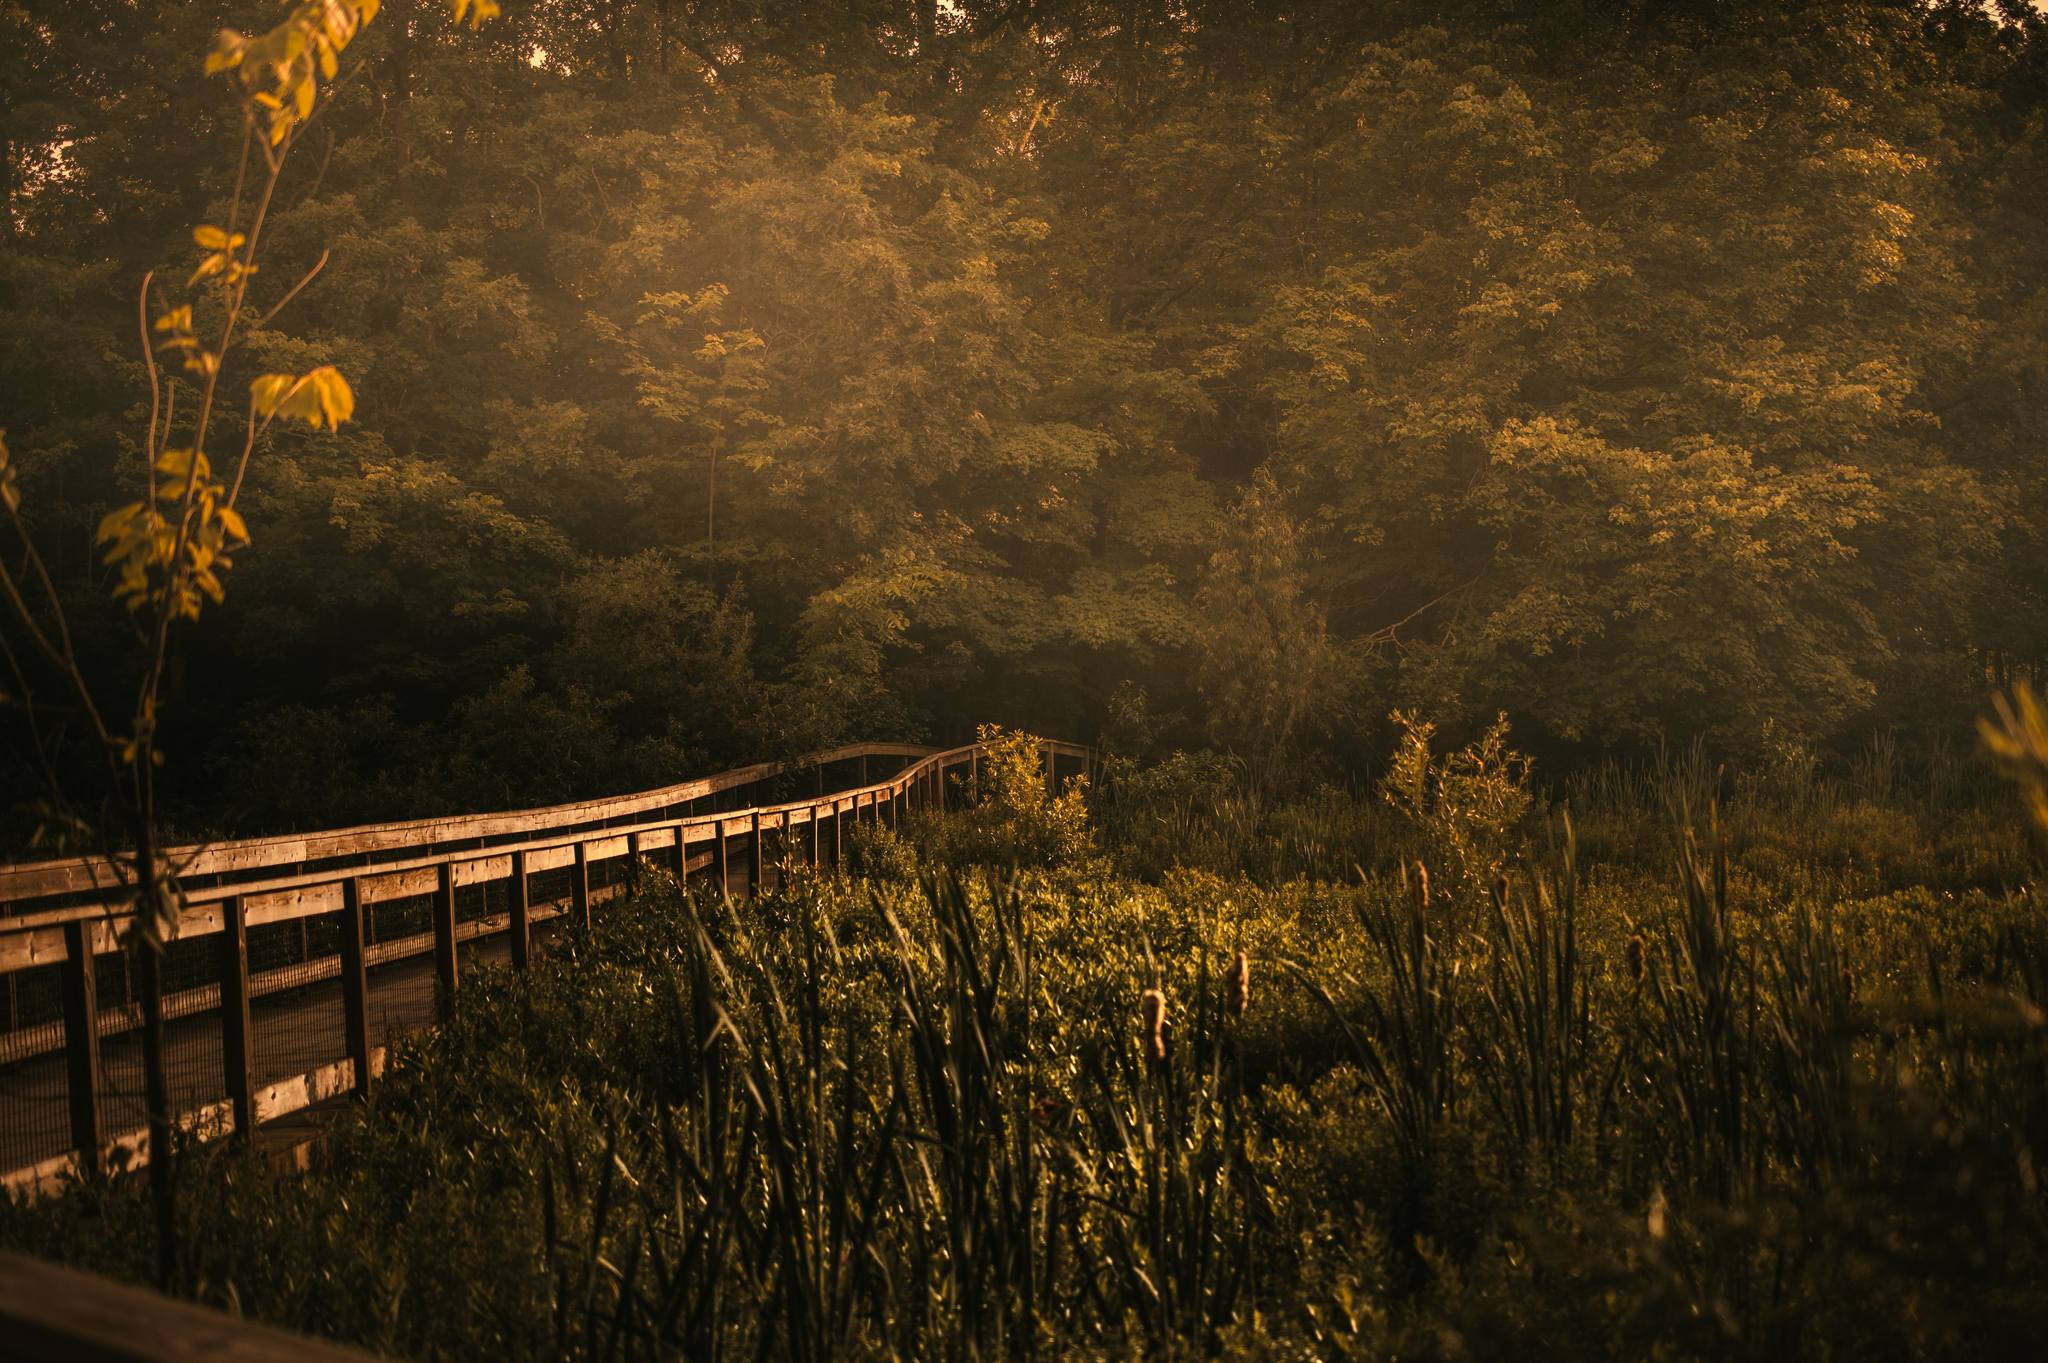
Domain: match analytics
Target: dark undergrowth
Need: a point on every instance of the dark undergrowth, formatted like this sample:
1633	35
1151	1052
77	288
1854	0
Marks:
1003	1093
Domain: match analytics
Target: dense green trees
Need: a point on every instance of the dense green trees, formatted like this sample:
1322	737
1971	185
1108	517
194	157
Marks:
741	376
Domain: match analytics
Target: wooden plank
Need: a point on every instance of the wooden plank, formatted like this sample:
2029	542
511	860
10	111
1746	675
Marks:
605	848
721	858
288	877
445	967
284	905
37	880
51	1314
298	1092
382	888
550	858
237	1037
82	1042
355	986
37	946
519	912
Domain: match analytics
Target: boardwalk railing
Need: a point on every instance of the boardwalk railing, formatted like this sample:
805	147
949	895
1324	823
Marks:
293	955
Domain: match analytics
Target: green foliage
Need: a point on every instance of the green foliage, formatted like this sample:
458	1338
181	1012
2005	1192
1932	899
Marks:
901	1116
1465	808
1013	816
1648	376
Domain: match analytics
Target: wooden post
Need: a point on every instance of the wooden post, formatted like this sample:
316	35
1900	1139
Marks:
682	857
1052	784
355	986
82	1046
445	970
632	861
237	1042
522	915
721	861
838	836
754	859
814	837
579	887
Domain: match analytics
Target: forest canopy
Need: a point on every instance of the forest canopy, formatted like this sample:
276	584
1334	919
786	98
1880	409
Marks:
734	377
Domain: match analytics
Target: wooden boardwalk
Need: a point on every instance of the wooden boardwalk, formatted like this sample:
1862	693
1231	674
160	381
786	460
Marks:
70	1093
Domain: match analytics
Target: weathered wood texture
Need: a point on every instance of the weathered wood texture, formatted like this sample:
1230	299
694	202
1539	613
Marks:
50	1314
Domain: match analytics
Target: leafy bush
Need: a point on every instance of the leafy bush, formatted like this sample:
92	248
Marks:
1013	816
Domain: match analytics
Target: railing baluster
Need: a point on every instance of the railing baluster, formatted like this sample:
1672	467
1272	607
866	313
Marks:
722	861
82	1045
521	909
445	968
579	887
355	986
237	1041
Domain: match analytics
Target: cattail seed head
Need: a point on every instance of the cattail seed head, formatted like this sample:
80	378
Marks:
1237	985
1848	986
1635	956
1152	1009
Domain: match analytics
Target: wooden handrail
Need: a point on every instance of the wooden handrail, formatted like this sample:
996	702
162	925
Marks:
29	881
51	1314
274	880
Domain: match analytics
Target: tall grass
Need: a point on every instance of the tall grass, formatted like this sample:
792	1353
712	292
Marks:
952	1112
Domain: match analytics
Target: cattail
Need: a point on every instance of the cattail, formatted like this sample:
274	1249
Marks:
1421	889
1237	985
1153	1010
1635	956
1848	985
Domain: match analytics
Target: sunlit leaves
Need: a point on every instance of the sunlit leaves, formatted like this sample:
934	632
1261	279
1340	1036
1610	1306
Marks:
2018	738
177	328
476	10
278	69
172	550
320	398
221	258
